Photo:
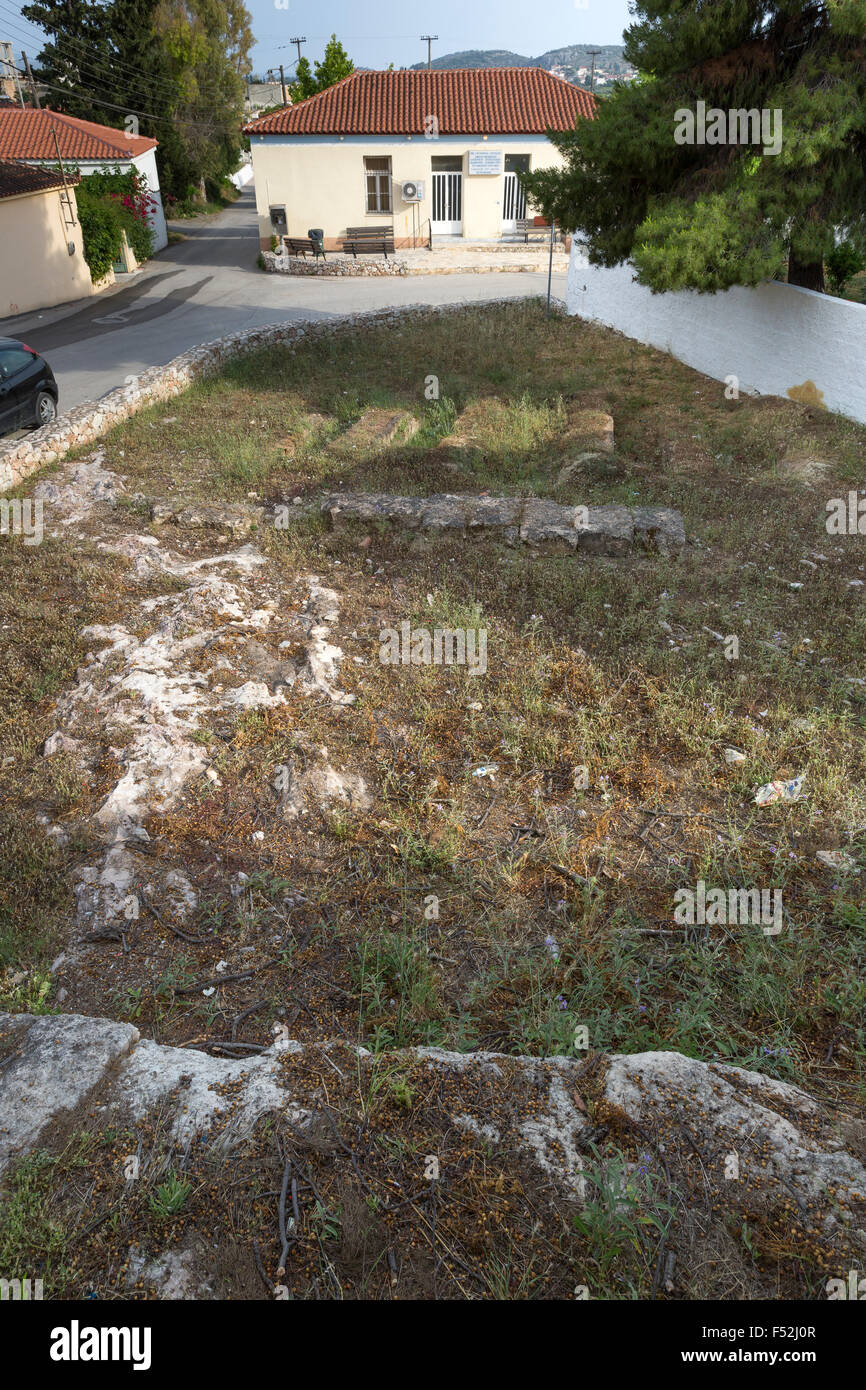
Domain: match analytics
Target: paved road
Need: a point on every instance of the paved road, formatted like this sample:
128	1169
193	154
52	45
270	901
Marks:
210	285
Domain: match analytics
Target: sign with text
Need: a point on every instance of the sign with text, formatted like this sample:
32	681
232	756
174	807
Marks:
485	161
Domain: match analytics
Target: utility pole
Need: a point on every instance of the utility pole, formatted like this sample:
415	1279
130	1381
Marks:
429	39
595	52
32	82
270	74
298	42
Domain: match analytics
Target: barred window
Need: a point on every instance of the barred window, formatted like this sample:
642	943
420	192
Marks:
378	175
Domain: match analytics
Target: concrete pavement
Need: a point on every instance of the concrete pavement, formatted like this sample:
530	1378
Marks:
209	285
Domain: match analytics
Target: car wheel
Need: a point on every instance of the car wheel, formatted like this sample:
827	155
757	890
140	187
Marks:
44	409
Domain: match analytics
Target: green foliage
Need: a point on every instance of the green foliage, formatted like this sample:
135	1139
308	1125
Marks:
843	262
108	205
335	65
706	216
177	66
170	1196
304	84
101	229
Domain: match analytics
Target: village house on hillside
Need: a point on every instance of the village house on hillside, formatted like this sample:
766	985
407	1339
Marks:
422	152
28	136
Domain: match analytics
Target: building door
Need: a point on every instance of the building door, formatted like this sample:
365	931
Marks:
447	218
513	196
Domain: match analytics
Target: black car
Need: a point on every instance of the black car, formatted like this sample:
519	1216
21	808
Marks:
28	391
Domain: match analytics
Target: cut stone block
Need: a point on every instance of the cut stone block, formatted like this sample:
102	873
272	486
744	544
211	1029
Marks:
358	506
375	430
593	426
445	511
659	528
478	422
546	523
608	531
494	511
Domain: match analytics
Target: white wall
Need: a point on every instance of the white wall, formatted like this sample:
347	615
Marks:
773	338
244	175
146	164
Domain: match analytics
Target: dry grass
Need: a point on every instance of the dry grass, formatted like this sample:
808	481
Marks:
609	664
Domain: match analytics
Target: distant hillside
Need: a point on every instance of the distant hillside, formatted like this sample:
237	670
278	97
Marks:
566	62
483	58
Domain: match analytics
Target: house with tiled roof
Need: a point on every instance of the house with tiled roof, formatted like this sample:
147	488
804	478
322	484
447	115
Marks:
36	137
427	153
42	258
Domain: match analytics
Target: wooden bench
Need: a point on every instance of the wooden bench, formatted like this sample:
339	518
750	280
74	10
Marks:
369	241
303	246
525	225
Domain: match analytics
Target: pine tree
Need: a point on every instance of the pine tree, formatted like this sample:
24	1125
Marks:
705	216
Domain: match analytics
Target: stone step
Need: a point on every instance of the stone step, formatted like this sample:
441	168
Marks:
613	530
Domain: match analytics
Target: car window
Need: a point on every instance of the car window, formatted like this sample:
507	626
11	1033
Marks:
14	360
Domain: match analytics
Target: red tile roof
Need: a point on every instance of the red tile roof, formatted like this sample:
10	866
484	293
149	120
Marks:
467	101
16	179
25	133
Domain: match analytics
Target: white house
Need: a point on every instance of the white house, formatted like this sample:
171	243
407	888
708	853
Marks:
421	152
37	137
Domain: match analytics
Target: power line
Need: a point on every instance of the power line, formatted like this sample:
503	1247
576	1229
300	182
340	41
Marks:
111	106
96	79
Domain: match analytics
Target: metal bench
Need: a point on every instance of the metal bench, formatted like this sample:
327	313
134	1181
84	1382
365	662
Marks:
369	241
303	246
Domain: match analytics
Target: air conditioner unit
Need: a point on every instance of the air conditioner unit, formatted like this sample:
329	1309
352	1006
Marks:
413	191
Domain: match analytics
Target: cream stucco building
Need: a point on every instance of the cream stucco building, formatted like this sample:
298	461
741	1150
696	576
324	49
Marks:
40	136
42	261
426	153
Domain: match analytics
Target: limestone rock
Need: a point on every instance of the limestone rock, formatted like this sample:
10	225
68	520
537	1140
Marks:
50	1065
220	516
659	528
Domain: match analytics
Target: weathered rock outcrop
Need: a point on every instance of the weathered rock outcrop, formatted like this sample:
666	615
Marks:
750	1133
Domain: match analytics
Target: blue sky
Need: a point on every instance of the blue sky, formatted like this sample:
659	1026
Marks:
378	32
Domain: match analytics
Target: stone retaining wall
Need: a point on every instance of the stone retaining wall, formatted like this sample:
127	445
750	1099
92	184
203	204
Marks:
88	421
332	265
336	266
